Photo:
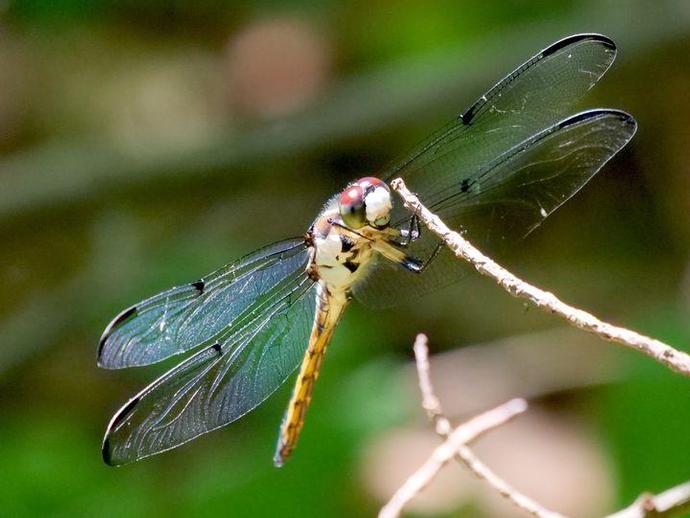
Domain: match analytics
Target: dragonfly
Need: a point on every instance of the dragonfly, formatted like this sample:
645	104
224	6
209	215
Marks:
495	173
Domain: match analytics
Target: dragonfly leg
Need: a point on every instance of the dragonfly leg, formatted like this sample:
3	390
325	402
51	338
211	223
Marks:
412	232
431	258
418	265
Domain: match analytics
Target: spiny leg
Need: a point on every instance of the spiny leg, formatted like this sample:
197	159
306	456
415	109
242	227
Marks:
426	262
412	232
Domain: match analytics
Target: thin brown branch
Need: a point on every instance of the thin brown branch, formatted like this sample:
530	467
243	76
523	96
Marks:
661	352
430	402
672	502
465	455
444	453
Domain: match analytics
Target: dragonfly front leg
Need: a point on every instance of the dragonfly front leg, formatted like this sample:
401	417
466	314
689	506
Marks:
404	236
412	232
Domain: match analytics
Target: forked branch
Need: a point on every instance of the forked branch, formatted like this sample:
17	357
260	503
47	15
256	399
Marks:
672	502
665	354
455	445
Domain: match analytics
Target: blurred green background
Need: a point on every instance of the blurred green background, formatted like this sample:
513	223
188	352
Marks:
143	144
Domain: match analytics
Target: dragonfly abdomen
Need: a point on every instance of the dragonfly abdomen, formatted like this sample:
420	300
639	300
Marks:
330	306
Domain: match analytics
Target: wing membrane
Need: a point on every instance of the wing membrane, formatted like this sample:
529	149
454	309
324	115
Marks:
533	97
223	381
508	199
185	317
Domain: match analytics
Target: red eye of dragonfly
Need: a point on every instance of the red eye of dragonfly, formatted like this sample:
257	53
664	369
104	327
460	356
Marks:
351	206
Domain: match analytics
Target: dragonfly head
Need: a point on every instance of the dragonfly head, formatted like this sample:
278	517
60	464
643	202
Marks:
367	201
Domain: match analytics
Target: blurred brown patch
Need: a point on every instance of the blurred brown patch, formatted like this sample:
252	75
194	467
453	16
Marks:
275	66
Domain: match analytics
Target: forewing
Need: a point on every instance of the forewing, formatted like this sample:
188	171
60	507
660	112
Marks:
189	316
506	200
533	97
221	382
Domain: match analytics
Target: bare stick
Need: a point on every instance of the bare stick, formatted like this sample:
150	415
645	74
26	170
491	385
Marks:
465	455
664	354
672	502
430	402
464	433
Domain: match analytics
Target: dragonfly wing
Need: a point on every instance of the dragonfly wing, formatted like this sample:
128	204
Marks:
185	317
536	95
507	199
221	382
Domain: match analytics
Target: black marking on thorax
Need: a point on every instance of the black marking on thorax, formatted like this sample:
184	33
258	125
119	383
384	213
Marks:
346	243
351	266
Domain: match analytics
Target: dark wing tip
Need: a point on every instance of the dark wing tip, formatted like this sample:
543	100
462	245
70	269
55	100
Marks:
199	285
123	413
111	327
107	453
117	419
621	115
577	38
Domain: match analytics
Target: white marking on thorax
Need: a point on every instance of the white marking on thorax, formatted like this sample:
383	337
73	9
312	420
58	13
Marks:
330	259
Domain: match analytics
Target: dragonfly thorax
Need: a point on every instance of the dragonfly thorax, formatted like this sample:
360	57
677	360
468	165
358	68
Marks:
339	253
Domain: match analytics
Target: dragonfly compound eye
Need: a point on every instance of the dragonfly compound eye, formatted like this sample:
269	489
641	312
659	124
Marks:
378	204
351	206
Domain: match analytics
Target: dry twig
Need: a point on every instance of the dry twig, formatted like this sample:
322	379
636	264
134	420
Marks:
455	445
664	354
672	502
465	455
463	434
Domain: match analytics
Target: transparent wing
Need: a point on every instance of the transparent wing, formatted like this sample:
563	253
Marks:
223	381
534	96
185	317
506	199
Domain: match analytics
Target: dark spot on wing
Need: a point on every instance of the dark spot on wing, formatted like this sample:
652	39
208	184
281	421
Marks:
565	42
106	452
117	321
578	118
123	413
467	117
218	348
199	285
622	116
465	185
351	266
